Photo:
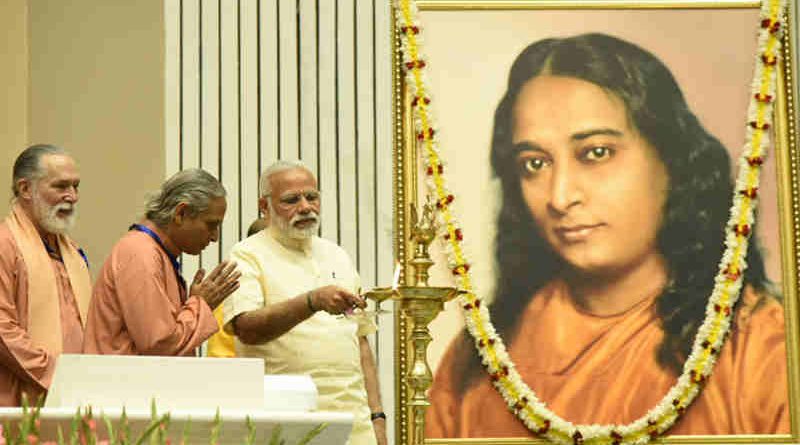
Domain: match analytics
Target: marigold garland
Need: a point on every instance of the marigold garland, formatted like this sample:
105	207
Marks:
728	283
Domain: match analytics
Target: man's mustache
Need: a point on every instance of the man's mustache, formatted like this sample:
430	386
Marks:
311	216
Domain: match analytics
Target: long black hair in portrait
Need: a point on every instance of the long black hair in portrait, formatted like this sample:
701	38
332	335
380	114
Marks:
697	207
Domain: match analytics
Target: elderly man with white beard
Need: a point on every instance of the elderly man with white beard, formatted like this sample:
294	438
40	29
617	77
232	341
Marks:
44	277
295	304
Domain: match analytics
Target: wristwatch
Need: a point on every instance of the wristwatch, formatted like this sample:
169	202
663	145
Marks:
377	415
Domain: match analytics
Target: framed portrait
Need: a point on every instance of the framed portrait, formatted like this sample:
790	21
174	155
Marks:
596	272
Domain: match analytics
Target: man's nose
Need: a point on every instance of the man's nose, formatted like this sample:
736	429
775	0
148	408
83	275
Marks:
215	235
304	205
566	190
71	195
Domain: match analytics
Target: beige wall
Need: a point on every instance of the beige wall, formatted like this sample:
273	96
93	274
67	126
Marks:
13	89
96	76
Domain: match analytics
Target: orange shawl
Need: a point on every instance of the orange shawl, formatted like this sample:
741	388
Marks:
593	369
44	321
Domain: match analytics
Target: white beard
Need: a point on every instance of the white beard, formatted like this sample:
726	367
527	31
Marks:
48	217
288	229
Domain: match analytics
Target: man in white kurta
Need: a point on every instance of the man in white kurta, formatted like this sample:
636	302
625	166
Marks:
295	302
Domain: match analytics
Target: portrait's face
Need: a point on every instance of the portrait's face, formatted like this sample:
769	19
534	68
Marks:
54	197
294	203
194	233
594	186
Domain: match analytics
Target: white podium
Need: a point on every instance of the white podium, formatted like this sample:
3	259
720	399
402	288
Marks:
192	390
134	381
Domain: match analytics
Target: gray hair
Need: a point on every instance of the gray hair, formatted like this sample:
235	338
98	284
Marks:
29	163
277	167
195	187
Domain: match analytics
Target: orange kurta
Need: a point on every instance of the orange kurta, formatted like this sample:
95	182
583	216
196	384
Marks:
25	365
136	304
591	369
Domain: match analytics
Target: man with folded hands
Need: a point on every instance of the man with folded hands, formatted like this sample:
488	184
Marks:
141	304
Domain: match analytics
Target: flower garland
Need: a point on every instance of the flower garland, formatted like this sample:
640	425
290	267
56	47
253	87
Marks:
728	282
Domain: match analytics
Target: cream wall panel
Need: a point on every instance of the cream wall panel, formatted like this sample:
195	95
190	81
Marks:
210	88
190	84
328	119
209	102
190	103
309	131
172	86
288	87
346	131
364	55
268	93
231	120
248	78
295	80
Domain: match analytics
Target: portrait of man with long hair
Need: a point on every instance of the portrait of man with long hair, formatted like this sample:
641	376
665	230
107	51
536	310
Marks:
613	200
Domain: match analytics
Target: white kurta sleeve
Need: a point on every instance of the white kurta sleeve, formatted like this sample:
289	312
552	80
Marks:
250	295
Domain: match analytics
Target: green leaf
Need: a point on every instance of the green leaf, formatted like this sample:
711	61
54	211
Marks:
162	429
125	428
7	432
35	412
74	427
215	429
149	431
312	434
89	432
24	424
275	438
186	428
112	438
251	432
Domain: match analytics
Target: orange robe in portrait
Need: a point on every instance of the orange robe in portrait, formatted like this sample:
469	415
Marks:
591	369
26	365
136	305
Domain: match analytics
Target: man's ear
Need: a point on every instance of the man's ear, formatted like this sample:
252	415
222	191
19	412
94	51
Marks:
263	206
181	213
25	188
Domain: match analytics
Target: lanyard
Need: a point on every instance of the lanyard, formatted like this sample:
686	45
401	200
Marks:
55	254
176	265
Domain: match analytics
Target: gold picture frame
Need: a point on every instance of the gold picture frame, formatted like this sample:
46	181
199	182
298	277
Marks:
486	89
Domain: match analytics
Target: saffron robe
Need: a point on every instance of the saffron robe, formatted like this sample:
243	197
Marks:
592	369
137	304
27	366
